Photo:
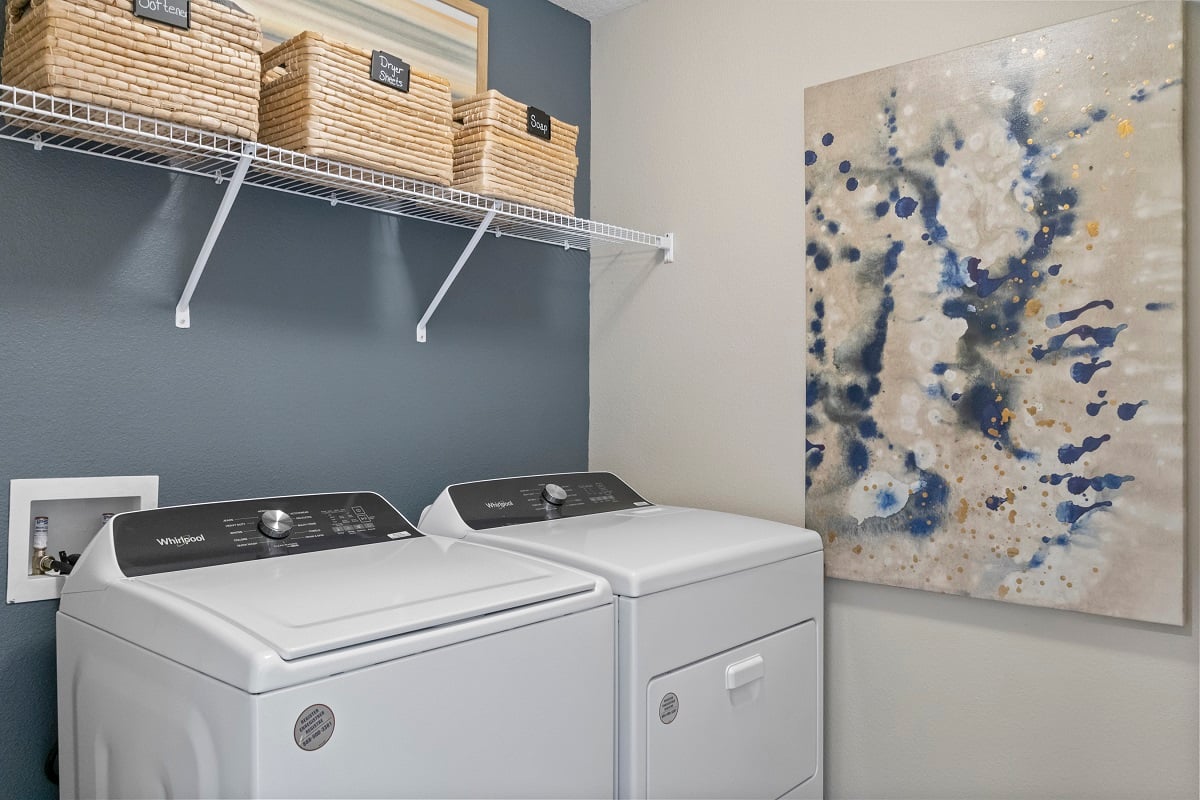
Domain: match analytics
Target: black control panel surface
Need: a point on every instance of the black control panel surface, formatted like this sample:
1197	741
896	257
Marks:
514	501
186	537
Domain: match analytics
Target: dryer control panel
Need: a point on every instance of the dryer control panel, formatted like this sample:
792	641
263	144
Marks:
205	535
537	498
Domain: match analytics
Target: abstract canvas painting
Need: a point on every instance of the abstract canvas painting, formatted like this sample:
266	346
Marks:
995	319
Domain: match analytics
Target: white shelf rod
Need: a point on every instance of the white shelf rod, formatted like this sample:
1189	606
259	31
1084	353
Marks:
437	299
183	314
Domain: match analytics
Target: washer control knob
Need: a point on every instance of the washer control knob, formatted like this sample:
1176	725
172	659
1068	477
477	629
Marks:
275	524
554	495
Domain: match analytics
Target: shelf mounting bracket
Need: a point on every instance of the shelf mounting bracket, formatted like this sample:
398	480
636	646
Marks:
437	298
667	245
183	314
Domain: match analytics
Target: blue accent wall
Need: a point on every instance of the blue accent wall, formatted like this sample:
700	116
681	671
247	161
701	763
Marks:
301	371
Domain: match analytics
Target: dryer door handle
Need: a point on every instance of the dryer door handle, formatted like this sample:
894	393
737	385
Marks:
746	671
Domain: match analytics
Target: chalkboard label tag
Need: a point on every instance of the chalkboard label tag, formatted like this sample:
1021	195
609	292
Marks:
177	13
538	123
389	70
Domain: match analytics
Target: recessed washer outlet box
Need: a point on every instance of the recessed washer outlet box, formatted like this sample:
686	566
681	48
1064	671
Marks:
75	509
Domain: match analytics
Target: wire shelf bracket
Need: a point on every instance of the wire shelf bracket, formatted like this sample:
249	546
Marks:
462	260
183	314
48	122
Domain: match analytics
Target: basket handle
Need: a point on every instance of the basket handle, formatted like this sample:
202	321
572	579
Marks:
17	9
274	73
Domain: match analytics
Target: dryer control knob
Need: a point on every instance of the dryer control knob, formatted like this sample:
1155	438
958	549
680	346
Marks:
554	494
275	524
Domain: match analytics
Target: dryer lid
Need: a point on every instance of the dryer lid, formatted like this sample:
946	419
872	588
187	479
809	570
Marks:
637	547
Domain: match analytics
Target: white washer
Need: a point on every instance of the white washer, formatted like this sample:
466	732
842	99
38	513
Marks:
719	627
320	646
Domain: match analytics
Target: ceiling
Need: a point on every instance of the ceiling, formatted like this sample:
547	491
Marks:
593	10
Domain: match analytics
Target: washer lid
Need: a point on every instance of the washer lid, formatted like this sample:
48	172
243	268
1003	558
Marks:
270	592
325	601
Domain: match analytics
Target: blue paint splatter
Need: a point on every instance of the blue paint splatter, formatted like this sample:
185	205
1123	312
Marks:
939	368
822	259
994	502
851	184
1069	513
827	139
929	501
1094	408
857	396
851	254
872	352
1104	337
810	158
886	501
881	209
857	457
844	167
812	392
892	259
1126	411
1069	454
940	156
819	308
1083	373
1054	269
833	227
1099	114
905	207
810	446
1159	306
1078	484
1054	320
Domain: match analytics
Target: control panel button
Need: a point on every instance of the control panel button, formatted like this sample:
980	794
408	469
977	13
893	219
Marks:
554	494
275	524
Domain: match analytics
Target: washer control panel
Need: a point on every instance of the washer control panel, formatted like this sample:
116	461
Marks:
186	537
537	498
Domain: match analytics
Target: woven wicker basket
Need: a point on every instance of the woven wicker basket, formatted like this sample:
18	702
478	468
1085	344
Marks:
318	98
495	155
98	52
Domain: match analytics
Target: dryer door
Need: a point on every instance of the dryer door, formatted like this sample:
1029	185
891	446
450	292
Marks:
743	723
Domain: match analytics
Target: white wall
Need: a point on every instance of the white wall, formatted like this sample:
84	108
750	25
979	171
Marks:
697	373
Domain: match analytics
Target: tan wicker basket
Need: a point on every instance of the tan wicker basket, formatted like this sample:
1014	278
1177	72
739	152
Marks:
98	52
318	98
495	155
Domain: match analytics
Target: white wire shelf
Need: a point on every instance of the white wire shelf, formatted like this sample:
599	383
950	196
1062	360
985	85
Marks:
44	121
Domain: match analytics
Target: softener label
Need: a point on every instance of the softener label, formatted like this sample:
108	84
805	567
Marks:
389	70
171	12
538	122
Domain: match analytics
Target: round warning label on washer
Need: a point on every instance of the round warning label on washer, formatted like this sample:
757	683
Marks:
668	708
314	727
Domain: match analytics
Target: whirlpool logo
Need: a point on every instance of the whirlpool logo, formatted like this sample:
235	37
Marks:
180	541
500	504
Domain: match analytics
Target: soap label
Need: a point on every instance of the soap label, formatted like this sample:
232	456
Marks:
176	13
538	122
389	70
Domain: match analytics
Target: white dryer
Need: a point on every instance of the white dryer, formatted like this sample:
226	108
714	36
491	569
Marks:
719	627
320	646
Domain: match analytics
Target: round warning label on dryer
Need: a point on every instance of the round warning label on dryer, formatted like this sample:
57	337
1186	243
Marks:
668	708
314	727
